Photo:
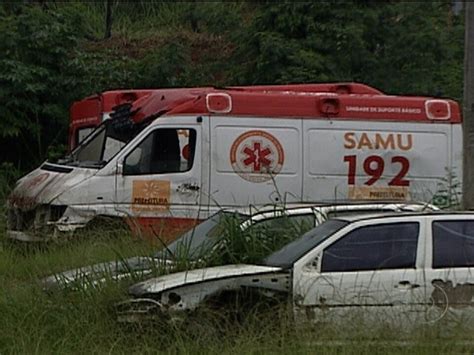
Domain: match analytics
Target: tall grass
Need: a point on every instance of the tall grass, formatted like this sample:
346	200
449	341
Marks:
32	321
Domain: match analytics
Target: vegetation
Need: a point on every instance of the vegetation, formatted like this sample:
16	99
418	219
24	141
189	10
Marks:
53	53
84	321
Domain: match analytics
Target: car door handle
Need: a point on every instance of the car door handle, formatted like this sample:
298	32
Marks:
405	285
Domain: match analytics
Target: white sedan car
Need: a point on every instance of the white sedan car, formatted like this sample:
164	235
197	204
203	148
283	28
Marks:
419	265
206	243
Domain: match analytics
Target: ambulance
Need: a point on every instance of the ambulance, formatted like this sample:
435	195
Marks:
164	167
88	113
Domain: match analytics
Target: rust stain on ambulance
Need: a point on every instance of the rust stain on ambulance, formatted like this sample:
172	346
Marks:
29	190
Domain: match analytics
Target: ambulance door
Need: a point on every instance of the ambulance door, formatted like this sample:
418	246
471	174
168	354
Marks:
255	161
362	160
160	180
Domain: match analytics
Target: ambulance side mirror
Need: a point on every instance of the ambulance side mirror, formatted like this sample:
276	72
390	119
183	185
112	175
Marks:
119	170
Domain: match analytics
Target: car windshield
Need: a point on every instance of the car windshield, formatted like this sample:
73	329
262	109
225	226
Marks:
200	240
286	256
100	146
227	238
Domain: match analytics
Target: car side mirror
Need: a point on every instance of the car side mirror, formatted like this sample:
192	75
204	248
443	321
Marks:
314	264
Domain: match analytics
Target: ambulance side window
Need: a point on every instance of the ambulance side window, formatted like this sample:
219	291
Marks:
163	151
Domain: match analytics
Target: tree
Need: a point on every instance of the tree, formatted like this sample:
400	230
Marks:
108	19
400	47
37	79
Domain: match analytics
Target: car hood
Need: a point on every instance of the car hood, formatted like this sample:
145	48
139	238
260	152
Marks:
167	282
96	274
41	186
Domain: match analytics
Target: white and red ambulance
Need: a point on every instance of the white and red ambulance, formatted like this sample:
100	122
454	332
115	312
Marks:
214	148
88	113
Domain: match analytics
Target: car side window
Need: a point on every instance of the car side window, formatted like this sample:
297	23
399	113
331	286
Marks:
453	243
163	151
383	246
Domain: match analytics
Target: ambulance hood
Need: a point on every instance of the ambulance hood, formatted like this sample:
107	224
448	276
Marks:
44	184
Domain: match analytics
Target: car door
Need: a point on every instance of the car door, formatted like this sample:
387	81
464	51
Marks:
375	267
450	268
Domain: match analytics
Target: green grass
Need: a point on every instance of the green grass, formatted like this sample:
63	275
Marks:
32	321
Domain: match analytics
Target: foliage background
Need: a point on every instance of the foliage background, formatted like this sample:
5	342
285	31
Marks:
53	53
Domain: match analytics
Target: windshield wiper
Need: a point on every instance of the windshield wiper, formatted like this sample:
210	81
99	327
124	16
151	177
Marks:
92	164
66	160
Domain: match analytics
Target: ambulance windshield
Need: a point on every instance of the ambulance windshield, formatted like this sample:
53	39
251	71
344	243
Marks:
100	146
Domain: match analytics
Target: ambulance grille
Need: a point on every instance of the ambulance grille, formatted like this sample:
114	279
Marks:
19	220
56	212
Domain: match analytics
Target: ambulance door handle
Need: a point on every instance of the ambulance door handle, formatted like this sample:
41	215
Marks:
187	187
119	170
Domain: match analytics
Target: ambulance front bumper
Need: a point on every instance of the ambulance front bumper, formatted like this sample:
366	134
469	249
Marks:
24	236
39	224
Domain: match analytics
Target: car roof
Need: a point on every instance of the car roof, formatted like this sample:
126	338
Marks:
256	209
362	217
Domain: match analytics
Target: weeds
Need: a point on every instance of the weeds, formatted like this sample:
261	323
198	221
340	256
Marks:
78	322
82	322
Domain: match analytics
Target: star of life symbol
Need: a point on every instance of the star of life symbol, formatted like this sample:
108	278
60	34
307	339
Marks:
256	156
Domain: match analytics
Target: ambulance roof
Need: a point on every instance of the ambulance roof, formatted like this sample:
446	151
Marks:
292	104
